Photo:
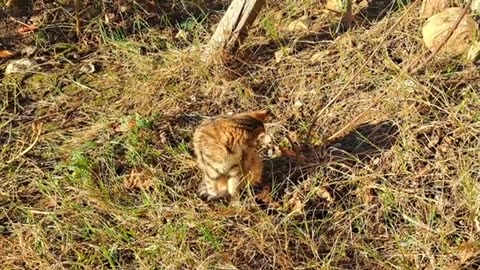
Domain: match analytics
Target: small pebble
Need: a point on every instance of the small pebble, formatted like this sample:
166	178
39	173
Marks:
87	68
29	50
298	103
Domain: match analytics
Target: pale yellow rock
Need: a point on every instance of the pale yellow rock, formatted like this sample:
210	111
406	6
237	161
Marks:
475	7
432	7
337	5
438	26
299	25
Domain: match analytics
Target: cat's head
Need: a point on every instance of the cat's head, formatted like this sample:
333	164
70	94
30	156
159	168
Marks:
260	115
252	122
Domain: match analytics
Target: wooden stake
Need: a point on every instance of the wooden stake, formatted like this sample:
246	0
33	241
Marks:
77	19
233	27
347	16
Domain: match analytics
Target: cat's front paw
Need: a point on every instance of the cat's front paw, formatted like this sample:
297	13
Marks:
204	194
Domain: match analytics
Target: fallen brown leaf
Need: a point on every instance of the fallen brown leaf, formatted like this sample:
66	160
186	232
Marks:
323	193
6	53
131	124
466	251
288	152
297	206
265	196
27	29
138	179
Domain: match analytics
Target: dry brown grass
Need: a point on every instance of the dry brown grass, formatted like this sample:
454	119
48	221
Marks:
388	179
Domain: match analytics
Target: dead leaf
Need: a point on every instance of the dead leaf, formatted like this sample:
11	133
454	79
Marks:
335	6
288	152
296	205
317	57
265	196
367	195
6	53
138	179
131	124
27	29
51	202
283	99
109	18
468	250
265	139
298	104
323	193
125	8
29	50
124	126
38	19
278	56
299	25
282	53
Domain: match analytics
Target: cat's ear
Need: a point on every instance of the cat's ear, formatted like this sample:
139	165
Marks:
262	115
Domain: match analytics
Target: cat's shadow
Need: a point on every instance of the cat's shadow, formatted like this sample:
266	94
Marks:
363	145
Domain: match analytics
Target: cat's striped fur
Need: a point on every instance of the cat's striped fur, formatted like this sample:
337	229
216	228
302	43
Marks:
225	147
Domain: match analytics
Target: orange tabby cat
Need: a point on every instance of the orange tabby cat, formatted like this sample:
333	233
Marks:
225	147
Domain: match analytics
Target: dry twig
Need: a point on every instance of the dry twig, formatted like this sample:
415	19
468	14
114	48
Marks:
38	129
77	19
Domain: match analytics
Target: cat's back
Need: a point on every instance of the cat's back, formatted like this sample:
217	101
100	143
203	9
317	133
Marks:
229	132
225	147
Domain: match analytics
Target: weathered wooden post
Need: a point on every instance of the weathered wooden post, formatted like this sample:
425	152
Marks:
233	28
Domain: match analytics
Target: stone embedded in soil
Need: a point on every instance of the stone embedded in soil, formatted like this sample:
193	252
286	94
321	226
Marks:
432	7
87	68
438	26
299	25
23	65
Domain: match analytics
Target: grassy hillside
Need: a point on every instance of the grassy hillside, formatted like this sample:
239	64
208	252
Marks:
368	167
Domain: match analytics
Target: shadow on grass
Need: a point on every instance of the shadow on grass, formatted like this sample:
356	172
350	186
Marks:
360	146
